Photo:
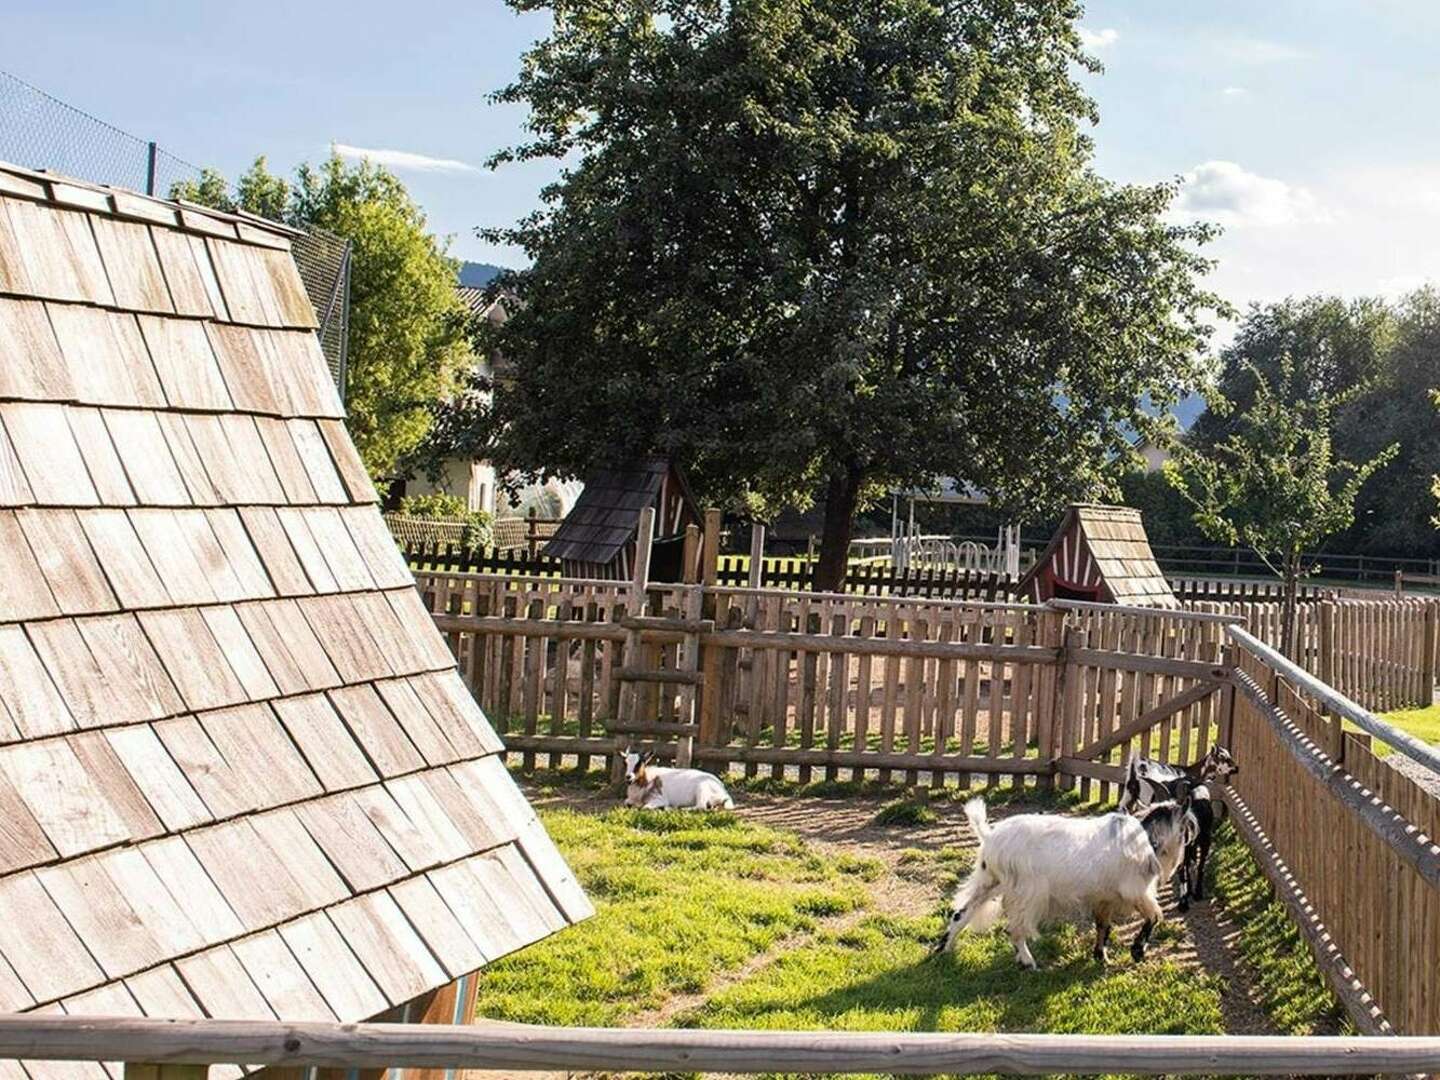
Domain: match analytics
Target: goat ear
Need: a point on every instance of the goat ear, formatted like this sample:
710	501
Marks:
1182	793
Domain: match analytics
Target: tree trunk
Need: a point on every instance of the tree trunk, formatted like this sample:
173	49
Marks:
841	496
1287	610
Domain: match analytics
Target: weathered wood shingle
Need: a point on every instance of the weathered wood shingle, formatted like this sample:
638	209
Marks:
239	776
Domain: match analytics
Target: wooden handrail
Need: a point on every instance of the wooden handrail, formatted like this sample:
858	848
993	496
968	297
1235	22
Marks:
1364	719
521	1047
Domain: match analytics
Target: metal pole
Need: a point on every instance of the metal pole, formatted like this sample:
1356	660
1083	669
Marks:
150	150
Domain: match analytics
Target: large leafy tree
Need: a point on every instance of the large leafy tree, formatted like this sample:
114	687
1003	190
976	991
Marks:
828	247
1275	482
1332	345
409	335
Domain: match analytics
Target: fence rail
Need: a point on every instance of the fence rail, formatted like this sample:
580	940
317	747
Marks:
146	1044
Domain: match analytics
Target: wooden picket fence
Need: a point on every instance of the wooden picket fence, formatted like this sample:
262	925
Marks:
1349	841
831	685
1381	652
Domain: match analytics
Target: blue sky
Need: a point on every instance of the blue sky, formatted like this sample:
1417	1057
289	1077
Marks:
1306	128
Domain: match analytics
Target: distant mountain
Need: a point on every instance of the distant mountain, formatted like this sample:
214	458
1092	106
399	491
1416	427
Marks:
478	275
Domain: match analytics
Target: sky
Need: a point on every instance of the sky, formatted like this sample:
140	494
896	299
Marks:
1304	127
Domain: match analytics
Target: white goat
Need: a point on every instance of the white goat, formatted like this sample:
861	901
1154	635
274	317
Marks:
1035	867
654	787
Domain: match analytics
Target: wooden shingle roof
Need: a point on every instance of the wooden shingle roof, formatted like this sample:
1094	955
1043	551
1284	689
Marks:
1115	538
239	774
604	518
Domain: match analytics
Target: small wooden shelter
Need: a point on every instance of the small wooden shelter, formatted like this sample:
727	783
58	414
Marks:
597	537
240	777
1099	553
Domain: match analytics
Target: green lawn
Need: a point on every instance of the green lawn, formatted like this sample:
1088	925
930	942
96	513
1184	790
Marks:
1422	723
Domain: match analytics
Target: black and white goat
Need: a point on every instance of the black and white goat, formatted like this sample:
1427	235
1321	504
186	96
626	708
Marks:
1148	781
1035	867
654	787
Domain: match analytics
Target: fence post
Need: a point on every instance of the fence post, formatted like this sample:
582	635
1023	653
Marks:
690	556
1400	583
1229	657
1068	695
757	555
710	548
1326	666
150	156
1427	661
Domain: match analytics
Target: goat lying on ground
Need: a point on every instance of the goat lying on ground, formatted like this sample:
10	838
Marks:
1148	781
1035	867
654	787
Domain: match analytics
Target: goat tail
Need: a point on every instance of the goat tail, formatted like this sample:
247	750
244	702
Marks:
975	814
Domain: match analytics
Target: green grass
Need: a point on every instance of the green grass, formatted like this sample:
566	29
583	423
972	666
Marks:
1292	990
1422	723
906	812
879	976
680	898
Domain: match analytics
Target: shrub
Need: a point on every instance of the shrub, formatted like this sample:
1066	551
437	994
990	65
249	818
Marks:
442	506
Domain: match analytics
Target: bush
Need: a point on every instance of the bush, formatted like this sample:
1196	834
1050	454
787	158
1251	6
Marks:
442	506
905	812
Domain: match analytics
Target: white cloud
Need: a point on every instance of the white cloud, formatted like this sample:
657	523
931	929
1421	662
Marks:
1234	92
1098	39
402	160
1250	50
1224	192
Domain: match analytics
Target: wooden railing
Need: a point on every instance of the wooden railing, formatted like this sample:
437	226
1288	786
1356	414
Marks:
182	1049
1349	841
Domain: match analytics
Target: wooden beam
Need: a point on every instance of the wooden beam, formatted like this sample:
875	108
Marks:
772	639
1070	766
1126	609
546	628
1150	718
657	728
1155	665
659	675
522	1047
867	759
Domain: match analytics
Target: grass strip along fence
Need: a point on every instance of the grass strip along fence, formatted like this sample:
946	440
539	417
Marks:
812	686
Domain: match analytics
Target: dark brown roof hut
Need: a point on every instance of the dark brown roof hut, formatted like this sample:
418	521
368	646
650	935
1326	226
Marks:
239	774
597	537
1099	553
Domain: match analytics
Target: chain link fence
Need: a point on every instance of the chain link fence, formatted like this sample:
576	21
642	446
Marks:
39	131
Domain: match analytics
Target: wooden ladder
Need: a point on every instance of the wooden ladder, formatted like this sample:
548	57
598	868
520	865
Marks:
636	672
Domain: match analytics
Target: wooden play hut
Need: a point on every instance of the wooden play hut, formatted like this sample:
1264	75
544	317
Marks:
240	777
597	537
1101	554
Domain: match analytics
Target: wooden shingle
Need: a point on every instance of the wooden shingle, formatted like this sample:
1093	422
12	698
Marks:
132	265
106	356
232	743
185	363
33	367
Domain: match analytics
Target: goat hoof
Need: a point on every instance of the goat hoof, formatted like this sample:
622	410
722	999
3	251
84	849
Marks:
1184	904
1102	957
1137	953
